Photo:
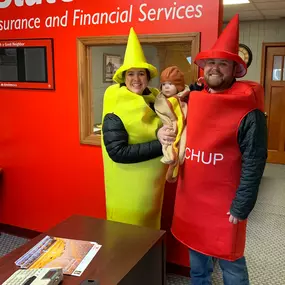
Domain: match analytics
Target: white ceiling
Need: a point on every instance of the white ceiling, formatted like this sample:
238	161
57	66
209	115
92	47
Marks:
256	10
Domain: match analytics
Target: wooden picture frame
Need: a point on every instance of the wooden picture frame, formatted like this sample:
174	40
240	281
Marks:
111	63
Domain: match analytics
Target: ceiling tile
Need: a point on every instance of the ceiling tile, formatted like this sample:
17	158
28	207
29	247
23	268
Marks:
243	19
264	1
270	5
279	12
272	17
242	14
241	7
256	10
257	18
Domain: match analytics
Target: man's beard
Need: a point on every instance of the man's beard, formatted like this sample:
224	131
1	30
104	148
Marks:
219	84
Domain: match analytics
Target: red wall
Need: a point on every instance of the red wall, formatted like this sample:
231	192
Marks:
48	175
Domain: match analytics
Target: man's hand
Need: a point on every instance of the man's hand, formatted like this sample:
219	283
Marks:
233	219
166	135
200	81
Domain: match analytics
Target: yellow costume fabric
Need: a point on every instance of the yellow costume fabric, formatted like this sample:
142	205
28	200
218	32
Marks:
134	192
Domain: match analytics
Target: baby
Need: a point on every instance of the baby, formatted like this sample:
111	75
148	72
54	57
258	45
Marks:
172	110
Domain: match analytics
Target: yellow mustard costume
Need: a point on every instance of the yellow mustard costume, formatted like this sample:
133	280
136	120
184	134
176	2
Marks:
134	191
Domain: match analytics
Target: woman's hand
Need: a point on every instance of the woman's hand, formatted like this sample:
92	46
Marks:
166	135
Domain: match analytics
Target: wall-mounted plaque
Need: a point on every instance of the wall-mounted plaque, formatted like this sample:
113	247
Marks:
27	63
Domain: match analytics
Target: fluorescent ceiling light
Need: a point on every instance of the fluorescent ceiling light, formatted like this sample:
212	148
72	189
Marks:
232	2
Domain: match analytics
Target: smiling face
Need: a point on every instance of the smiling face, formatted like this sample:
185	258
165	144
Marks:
136	80
219	73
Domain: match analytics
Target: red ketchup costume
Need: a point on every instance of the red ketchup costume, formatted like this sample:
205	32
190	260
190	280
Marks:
212	168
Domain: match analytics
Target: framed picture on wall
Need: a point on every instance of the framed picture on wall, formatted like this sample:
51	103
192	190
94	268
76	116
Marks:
111	63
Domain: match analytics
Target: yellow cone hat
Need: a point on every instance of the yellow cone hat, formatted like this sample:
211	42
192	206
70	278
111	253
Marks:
134	58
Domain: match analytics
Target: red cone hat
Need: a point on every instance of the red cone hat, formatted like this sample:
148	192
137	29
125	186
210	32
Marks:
226	47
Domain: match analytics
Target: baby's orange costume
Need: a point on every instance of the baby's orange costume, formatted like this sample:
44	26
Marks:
172	110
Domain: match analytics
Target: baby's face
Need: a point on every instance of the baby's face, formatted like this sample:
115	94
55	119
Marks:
168	89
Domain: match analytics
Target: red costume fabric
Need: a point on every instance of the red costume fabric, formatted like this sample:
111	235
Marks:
211	172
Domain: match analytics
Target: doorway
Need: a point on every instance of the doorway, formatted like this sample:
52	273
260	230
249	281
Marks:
273	80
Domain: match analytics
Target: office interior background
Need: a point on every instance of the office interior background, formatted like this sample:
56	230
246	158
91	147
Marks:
33	161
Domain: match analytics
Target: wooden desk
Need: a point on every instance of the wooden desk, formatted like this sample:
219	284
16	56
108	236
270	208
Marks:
129	255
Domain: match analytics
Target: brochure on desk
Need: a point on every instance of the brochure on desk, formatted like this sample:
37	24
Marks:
73	256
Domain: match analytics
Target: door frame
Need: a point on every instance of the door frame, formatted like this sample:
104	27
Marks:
263	66
263	59
271	157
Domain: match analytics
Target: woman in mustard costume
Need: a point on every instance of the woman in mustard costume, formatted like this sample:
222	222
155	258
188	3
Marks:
134	175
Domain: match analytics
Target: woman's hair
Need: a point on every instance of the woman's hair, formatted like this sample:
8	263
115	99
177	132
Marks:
147	74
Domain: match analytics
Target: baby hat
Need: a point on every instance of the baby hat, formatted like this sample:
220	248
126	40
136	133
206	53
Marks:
174	75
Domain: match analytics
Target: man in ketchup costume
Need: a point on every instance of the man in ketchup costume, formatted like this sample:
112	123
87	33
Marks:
226	152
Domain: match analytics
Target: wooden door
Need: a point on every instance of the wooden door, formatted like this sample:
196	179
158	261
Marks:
275	102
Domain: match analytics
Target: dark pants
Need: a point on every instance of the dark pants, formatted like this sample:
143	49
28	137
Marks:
234	272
